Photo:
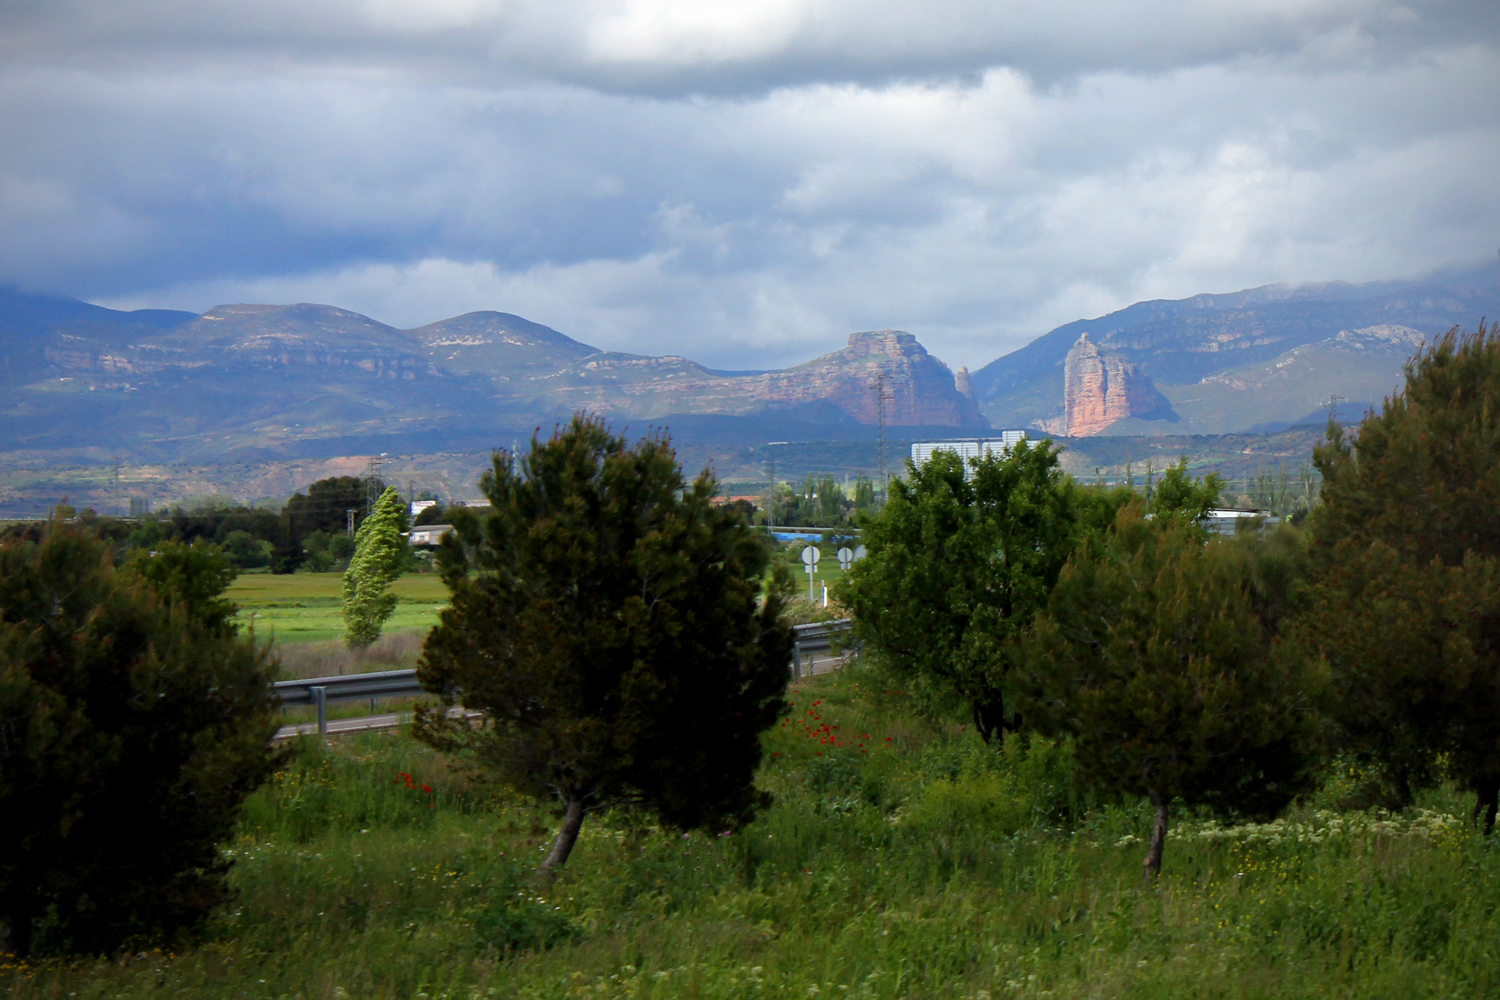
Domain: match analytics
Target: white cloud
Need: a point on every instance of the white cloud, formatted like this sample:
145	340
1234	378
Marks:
742	184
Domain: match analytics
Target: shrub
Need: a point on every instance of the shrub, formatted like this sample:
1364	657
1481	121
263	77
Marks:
133	723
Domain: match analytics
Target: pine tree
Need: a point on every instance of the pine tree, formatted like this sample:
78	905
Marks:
132	726
379	556
609	621
1407	546
1160	655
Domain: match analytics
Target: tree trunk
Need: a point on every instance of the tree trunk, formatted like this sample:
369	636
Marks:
989	718
1152	864
1489	800
567	834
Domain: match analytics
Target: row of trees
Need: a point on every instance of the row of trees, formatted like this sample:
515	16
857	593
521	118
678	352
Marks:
822	502
1219	671
311	531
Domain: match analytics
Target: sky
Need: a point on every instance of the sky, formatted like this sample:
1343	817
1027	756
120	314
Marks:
741	183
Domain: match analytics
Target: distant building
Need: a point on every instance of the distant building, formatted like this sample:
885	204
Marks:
428	534
967	448
1226	520
417	506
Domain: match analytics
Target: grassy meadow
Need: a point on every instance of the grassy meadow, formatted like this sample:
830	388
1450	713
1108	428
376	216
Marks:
902	858
304	607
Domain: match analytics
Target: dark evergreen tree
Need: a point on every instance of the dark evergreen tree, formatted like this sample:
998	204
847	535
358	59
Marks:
324	507
132	726
1161	655
610	623
957	568
1407	545
436	514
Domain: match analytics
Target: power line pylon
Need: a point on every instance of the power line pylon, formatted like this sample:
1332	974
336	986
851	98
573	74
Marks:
372	475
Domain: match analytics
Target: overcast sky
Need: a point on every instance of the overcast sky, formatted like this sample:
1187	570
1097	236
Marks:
741	182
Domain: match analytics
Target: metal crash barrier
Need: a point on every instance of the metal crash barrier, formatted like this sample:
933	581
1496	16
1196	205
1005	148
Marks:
809	641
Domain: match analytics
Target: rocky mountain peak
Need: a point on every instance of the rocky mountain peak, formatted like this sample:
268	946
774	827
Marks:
893	342
1100	388
963	383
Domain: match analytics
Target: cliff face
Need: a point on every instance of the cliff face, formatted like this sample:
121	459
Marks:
921	391
262	380
1101	387
1185	342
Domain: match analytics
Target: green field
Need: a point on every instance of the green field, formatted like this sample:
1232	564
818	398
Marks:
902	859
304	607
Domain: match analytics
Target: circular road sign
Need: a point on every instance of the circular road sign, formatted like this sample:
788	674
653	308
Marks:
846	557
811	555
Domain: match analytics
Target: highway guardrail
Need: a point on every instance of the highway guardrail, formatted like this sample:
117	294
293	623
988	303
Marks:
808	641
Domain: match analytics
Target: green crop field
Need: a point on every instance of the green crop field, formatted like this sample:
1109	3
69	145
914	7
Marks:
902	858
304	607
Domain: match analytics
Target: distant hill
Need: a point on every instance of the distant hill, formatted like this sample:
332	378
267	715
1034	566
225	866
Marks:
1246	360
251	383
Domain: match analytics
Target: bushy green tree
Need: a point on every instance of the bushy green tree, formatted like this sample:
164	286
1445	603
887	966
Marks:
957	568
617	630
1407	542
436	514
379	557
194	575
1161	655
133	723
1181	496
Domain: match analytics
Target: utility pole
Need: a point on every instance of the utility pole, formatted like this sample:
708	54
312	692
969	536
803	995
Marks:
771	496
1333	407
351	512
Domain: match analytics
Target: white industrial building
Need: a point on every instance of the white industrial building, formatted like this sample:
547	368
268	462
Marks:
967	448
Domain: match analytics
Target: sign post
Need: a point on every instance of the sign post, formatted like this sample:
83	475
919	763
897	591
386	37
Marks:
810	557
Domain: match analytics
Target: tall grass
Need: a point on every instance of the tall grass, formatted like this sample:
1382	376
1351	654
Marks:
902	858
330	657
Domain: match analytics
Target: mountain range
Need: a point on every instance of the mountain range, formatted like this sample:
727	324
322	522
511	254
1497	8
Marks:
262	382
1257	360
247	383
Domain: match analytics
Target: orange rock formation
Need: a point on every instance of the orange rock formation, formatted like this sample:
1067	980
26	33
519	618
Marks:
1100	387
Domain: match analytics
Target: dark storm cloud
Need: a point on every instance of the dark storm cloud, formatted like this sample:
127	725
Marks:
741	183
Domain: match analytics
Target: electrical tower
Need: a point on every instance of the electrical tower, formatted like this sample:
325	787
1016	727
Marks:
882	396
372	476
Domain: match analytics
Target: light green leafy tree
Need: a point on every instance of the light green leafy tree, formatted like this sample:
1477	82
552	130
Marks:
379	556
961	558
